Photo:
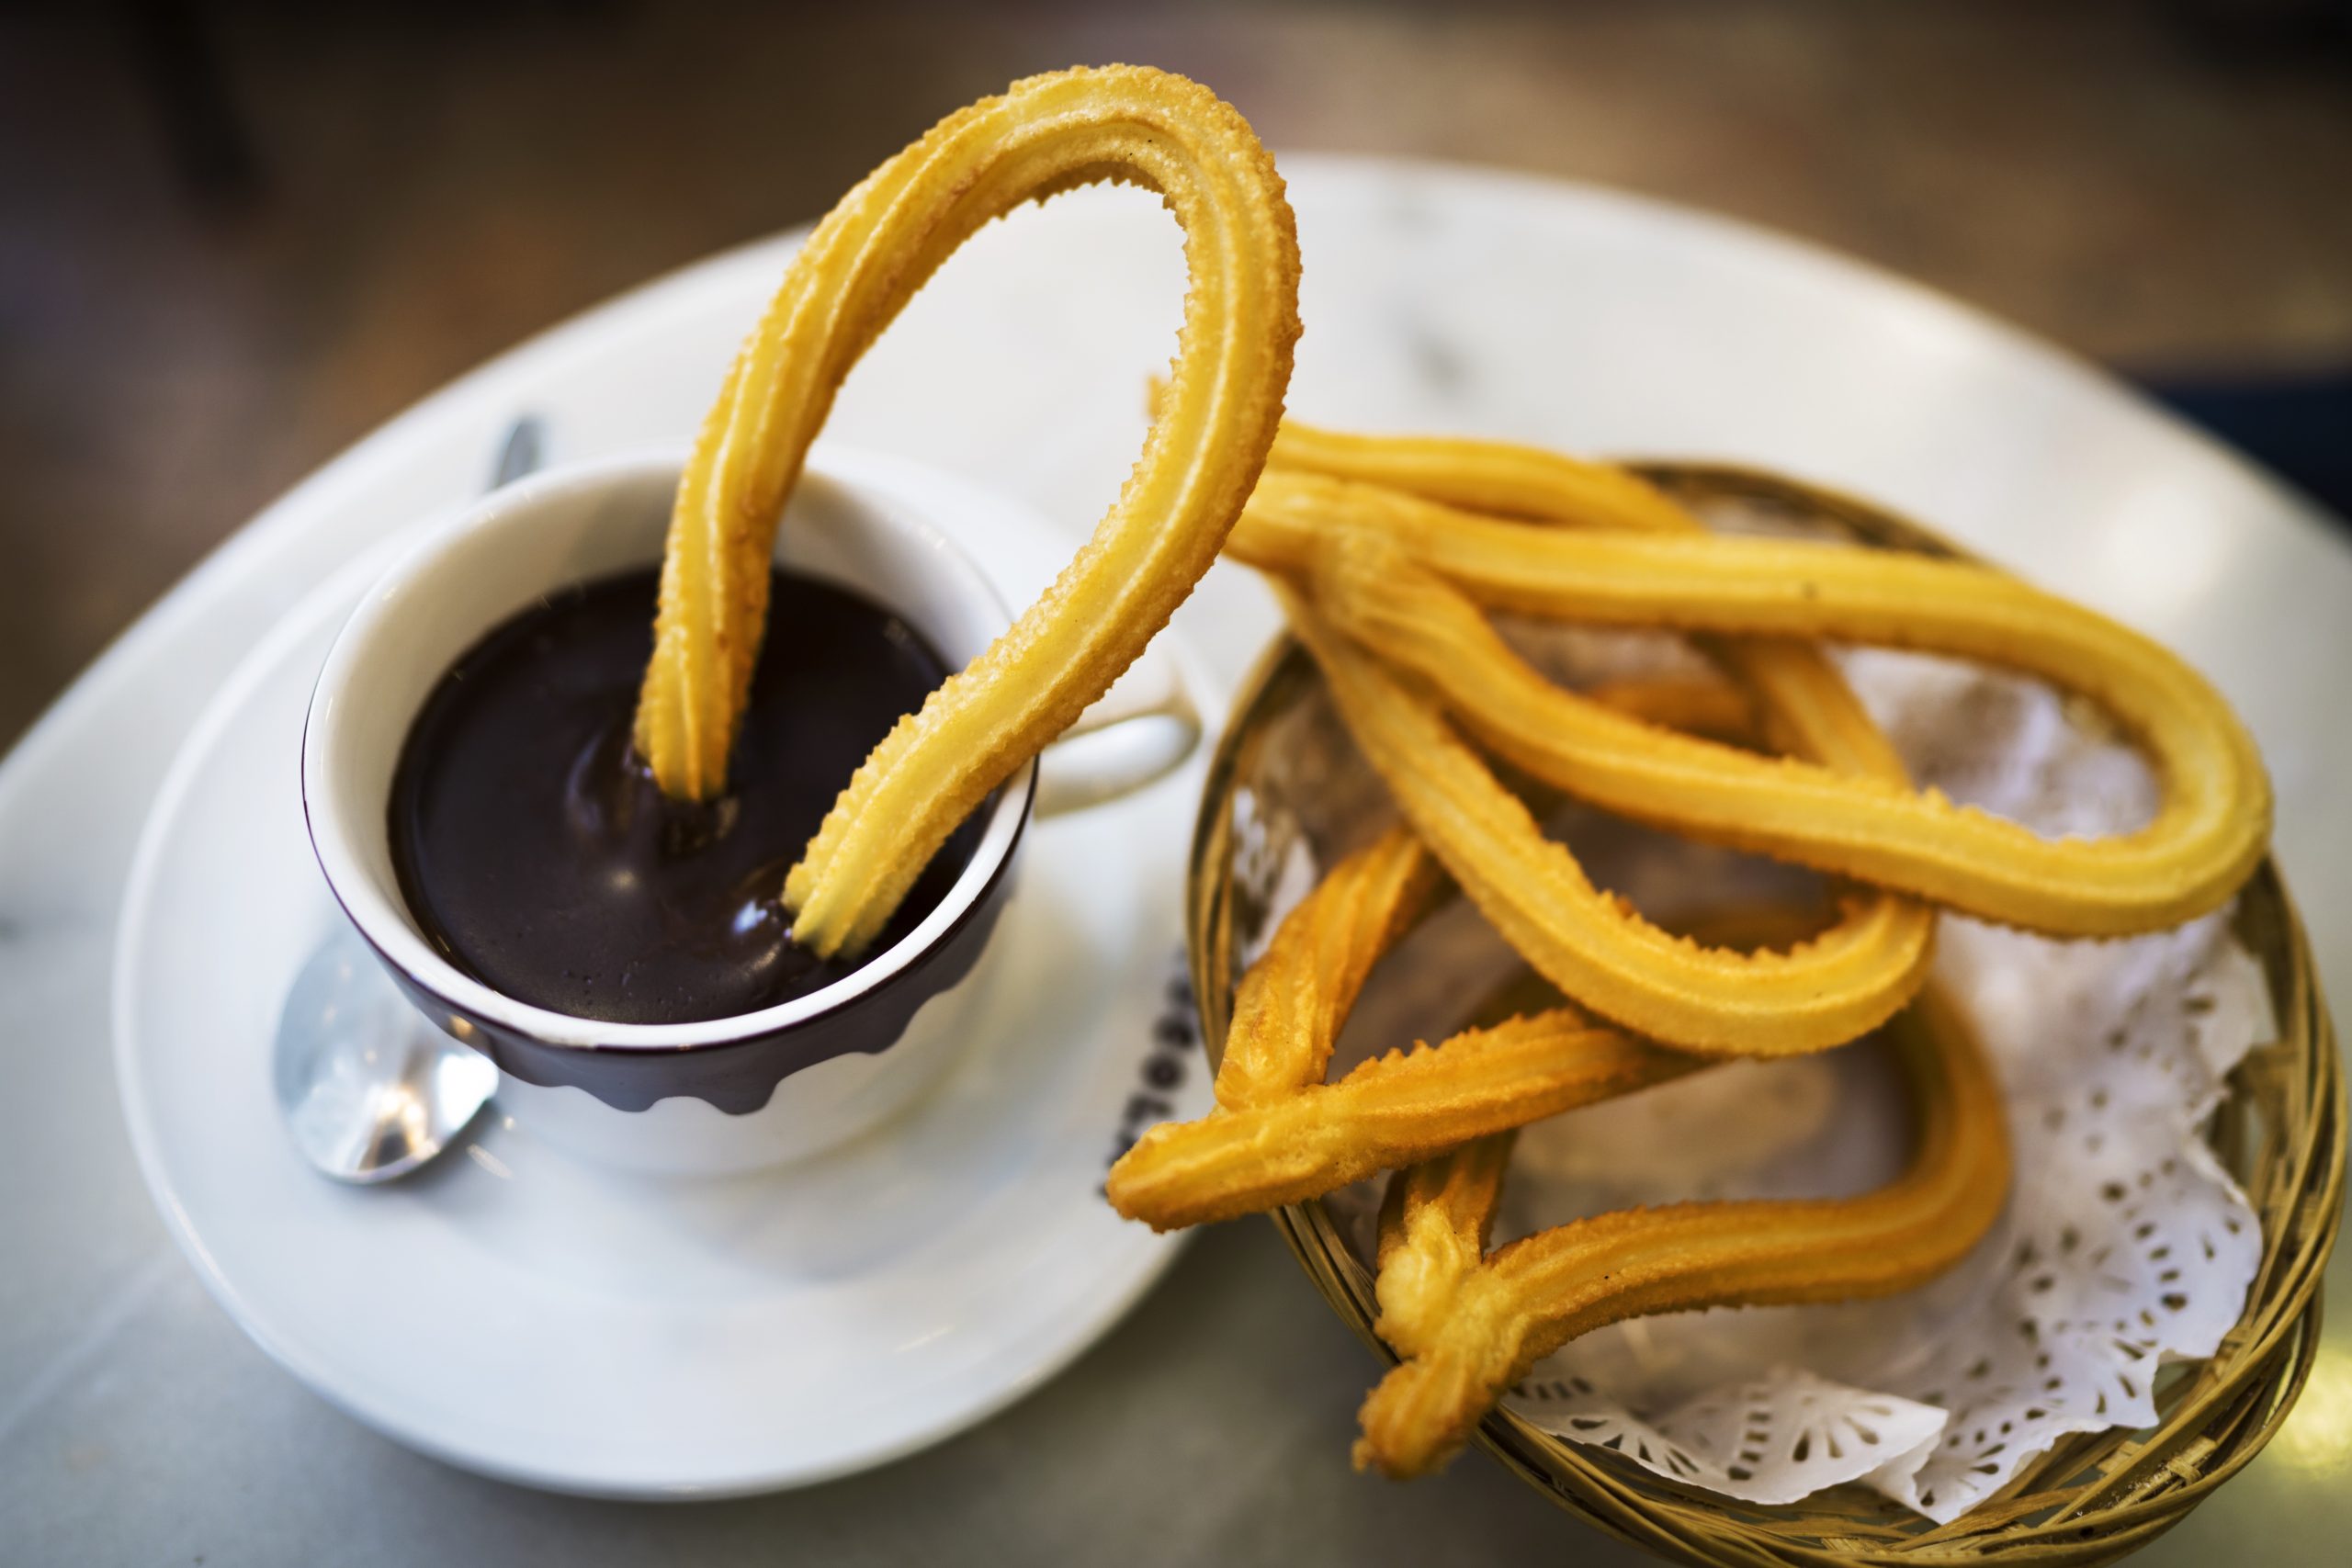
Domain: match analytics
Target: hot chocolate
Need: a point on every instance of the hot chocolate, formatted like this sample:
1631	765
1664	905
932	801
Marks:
538	855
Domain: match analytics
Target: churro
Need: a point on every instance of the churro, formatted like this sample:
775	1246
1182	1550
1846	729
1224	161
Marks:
1824	992
1390	1111
1468	1334
861	265
2208	835
1524	1055
1498	478
1435	1222
1290	1007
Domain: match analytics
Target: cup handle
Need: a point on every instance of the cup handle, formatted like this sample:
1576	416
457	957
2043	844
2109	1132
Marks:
1138	731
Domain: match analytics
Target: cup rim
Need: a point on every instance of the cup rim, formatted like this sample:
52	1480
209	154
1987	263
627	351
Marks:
383	923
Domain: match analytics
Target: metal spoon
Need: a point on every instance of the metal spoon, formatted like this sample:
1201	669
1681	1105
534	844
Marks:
369	1091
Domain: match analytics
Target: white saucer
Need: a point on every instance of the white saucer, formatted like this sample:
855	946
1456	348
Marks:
532	1318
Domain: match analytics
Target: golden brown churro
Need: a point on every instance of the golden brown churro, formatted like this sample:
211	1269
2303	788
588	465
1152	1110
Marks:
1822	993
2211	831
1389	1111
865	260
1290	1005
1495	477
1523	1057
1469	1335
1434	1225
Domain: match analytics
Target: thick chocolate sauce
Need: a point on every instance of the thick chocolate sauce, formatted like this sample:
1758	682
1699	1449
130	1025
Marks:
538	856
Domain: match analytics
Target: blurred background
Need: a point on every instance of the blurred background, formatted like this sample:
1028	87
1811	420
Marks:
236	237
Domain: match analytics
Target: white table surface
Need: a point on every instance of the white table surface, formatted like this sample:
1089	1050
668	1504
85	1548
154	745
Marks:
138	1426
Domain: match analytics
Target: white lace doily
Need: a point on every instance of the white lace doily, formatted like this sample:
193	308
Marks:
2124	1247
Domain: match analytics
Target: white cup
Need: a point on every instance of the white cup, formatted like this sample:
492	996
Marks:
737	1093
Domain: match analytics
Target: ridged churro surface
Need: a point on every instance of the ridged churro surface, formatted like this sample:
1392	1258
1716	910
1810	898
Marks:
863	261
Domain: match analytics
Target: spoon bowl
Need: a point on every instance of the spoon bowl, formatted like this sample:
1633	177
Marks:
368	1091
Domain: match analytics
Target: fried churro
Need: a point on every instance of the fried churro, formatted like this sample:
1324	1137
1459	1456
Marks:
1435	1222
1600	951
1469	1333
1495	477
863	261
1390	1111
2208	835
1290	1005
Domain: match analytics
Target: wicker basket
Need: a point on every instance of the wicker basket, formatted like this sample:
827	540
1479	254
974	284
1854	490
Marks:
2282	1134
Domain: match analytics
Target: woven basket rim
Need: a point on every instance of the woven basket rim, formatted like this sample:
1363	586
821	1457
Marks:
2090	1498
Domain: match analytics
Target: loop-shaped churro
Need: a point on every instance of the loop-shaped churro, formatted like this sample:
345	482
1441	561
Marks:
2205	839
1469	1334
1841	984
863	261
